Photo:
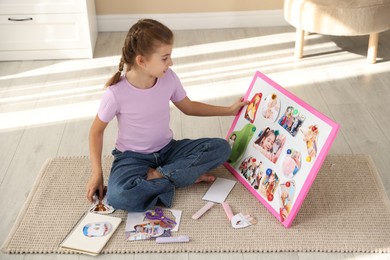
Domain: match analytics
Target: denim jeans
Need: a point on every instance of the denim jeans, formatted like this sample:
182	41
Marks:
181	163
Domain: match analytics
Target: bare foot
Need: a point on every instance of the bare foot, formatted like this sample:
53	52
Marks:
153	174
205	178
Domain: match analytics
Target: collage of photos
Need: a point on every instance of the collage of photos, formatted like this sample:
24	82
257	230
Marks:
271	144
272	140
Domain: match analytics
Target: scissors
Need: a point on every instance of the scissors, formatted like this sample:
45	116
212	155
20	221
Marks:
158	214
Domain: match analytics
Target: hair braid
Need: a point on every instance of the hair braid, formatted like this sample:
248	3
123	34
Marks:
116	77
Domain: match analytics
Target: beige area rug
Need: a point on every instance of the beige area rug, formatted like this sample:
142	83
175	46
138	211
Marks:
346	210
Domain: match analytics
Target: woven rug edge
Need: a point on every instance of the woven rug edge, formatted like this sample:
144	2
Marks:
193	250
22	212
379	183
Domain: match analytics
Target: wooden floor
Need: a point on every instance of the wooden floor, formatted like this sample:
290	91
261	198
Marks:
46	107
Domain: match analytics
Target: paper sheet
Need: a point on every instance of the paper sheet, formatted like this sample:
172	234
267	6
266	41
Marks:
219	190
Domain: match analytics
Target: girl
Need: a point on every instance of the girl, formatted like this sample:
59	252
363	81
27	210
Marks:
148	163
265	144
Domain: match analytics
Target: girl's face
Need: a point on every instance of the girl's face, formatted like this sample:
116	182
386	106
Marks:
268	141
159	62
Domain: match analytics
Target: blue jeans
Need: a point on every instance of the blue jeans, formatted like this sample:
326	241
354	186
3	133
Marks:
181	163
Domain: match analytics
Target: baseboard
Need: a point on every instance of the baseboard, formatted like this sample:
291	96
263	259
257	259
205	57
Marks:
189	21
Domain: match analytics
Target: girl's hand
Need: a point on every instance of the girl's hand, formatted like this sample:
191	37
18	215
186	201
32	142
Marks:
95	186
236	107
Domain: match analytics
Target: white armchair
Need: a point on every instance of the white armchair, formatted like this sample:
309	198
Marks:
339	18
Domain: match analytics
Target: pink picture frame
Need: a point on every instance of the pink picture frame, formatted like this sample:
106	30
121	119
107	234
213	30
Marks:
278	143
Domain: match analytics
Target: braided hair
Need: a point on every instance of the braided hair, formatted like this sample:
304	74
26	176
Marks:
142	39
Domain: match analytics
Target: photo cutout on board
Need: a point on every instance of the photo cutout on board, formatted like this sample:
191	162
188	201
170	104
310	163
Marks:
269	184
291	163
310	137
270	107
253	106
239	141
292	120
251	169
270	143
286	194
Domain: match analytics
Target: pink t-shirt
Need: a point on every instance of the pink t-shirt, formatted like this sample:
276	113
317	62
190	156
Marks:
143	114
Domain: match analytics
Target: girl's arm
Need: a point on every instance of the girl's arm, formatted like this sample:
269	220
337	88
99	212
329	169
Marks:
194	108
96	182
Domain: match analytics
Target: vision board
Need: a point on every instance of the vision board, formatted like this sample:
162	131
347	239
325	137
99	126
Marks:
279	143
